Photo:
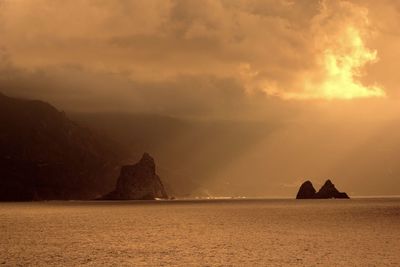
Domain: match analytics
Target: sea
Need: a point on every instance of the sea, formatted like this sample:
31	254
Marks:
229	232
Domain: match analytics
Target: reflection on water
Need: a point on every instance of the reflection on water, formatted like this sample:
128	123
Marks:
358	232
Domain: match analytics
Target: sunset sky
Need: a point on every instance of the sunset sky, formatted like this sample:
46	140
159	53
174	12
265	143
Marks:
324	73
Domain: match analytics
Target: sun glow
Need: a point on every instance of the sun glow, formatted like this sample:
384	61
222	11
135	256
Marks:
341	64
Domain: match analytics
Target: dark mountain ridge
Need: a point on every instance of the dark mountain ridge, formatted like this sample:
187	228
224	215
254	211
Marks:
45	155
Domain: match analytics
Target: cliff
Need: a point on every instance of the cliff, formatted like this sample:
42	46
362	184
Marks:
44	155
138	182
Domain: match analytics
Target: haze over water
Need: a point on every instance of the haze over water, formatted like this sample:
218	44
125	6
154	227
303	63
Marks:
357	232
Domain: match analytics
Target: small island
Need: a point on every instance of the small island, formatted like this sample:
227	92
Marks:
138	182
328	190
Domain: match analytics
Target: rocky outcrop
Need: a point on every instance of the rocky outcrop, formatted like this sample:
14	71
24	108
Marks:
138	182
306	191
328	190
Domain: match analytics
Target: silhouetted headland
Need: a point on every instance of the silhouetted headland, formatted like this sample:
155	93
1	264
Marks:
138	182
44	155
328	190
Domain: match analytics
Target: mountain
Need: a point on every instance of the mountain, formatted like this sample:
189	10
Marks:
138	182
328	190
45	155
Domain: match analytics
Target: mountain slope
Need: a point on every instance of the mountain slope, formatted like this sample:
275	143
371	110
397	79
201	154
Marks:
44	155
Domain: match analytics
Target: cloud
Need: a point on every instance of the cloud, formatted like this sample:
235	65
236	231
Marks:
276	48
336	36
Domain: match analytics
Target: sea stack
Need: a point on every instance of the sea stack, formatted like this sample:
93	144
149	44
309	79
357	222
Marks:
306	191
328	190
138	182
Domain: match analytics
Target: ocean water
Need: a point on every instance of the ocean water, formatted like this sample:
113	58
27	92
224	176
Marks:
357	232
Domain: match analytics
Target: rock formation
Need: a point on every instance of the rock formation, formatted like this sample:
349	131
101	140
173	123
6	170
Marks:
138	182
306	191
328	190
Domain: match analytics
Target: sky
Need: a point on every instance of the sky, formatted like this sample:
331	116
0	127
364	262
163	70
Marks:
326	71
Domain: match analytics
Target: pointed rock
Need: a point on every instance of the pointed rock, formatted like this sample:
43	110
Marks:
328	190
138	182
306	191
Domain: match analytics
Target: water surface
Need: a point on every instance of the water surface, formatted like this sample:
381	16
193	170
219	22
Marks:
357	232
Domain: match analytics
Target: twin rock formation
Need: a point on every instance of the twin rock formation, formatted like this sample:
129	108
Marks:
328	190
138	182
